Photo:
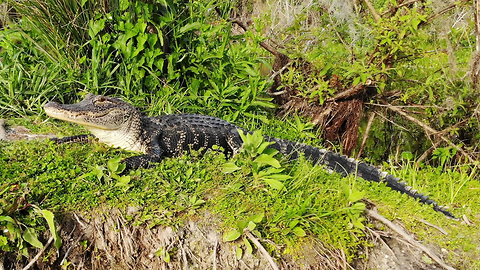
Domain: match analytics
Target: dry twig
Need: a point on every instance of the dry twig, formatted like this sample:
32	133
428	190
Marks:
35	259
261	248
365	134
428	130
408	238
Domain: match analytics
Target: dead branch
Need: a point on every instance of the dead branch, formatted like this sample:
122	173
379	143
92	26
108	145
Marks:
372	10
408	238
428	152
443	11
365	135
351	92
40	253
433	226
261	249
394	9
428	130
477	22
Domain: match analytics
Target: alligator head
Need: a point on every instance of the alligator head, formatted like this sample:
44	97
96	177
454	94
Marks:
111	120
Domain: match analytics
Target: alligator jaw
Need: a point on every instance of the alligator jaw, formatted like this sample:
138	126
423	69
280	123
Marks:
94	111
111	120
56	110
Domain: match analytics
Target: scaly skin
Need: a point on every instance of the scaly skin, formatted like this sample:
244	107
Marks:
119	124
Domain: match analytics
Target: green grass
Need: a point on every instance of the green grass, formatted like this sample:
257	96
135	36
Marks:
64	178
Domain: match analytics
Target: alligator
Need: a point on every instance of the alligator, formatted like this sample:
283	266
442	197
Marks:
119	124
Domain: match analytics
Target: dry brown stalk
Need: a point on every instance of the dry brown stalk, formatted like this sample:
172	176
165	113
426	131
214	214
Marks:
372	10
408	238
365	134
429	131
261	249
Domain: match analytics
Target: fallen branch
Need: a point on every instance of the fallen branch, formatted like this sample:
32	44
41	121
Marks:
261	249
365	134
428	130
39	254
372	10
408	238
433	226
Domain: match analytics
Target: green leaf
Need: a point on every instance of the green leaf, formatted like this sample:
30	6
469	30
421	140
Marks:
248	246
358	207
7	219
96	27
51	224
123	181
229	167
356	196
299	232
231	236
251	226
274	183
266	159
190	26
257	218
163	253
293	223
239	253
31	237
113	164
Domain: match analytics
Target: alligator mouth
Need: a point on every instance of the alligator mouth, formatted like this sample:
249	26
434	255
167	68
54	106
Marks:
59	111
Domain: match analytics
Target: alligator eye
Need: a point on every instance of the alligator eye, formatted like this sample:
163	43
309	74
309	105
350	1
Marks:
101	99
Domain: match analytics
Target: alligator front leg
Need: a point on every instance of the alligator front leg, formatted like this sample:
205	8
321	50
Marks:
153	155
143	161
73	139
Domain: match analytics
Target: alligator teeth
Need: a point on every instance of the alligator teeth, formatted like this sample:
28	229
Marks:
383	174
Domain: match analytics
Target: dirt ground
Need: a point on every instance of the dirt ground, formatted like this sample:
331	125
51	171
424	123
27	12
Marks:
107	241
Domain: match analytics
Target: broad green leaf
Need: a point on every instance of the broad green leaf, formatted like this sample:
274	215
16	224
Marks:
266	159
7	219
31	237
358	223
356	196
358	206
251	226
162	253
248	246
123	181
274	183
96	27
113	164
231	236
299	232
229	167
190	26
293	223
51	224
242	224
239	253
257	218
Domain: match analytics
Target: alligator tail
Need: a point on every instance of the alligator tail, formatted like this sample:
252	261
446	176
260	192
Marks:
344	165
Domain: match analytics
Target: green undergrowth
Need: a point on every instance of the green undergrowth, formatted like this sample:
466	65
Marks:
306	203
